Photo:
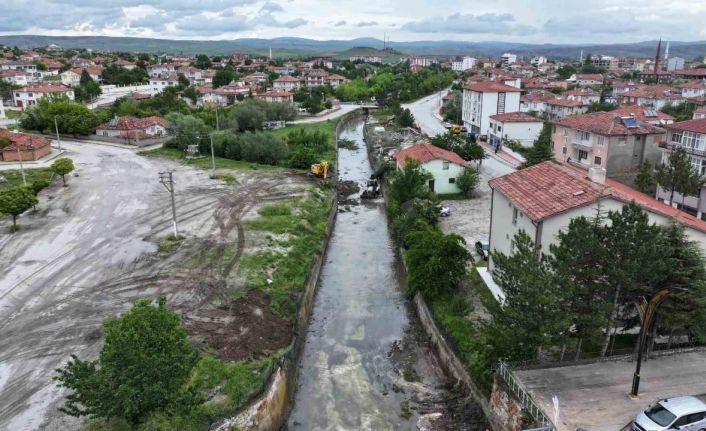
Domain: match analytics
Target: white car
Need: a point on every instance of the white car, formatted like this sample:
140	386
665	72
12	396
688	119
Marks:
680	413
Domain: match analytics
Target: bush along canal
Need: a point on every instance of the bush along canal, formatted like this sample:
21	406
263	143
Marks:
367	363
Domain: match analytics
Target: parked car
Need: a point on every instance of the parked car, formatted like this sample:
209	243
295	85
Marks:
679	413
444	212
483	248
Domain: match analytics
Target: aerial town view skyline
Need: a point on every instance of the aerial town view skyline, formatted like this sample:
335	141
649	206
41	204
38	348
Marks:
264	215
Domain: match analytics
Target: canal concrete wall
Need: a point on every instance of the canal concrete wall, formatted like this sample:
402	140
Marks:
269	412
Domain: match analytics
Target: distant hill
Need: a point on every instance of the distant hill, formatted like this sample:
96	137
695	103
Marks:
359	51
301	47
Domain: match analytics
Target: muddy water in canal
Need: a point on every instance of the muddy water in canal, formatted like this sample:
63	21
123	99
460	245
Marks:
367	364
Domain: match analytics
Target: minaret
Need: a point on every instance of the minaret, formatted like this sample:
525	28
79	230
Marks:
657	58
581	57
270	53
666	56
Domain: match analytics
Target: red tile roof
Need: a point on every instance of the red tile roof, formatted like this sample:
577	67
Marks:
544	190
589	76
701	110
547	189
691	72
693	84
696	126
639	112
491	86
24	141
45	88
569	103
132	123
515	117
606	123
653	92
287	78
426	153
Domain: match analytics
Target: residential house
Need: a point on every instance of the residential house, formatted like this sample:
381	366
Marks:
514	126
366	58
334	80
538	61
133	128
194	75
657	96
543	199
419	61
443	165
129	65
82	62
16	77
159	83
26	66
644	114
692	89
287	83
606	140
254	79
584	95
562	108
586	79
28	96
72	77
690	73
157	70
274	95
536	101
690	135
486	98
23	147
699	113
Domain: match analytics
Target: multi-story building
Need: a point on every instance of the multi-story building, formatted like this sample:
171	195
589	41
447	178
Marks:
699	113
514	126
367	58
15	77
538	61
690	135
159	83
486	98
463	63
675	63
507	59
604	140
562	108
287	83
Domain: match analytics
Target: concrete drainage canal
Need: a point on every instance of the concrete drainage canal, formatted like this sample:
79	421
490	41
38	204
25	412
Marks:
366	364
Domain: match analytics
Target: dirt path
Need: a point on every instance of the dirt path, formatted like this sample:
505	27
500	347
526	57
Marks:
89	253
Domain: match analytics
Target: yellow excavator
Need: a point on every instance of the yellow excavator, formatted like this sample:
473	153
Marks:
455	129
320	169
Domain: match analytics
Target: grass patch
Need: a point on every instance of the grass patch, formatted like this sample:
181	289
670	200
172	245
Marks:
14	177
405	412
328	127
205	162
14	115
228	179
347	144
286	261
168	243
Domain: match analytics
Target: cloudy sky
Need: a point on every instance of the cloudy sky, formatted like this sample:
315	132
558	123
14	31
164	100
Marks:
551	21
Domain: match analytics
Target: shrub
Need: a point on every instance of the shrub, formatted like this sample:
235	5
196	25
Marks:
303	158
263	148
468	181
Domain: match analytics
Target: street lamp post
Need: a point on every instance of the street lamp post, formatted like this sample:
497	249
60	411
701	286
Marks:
647	312
56	128
19	158
213	159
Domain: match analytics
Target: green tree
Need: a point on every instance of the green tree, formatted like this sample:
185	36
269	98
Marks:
85	77
541	149
532	314
579	260
62	166
142	368
680	112
202	61
436	262
188	130
183	81
468	181
645	179
15	201
409	182
87	91
223	77
678	175
405	118
71	117
566	71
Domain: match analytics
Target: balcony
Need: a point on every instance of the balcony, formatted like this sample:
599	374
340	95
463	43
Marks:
673	145
584	145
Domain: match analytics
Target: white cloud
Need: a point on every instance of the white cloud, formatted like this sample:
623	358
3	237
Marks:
490	23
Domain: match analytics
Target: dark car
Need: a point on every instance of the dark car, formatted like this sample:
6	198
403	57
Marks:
482	248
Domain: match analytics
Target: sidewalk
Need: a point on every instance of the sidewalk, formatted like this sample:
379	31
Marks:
44	162
502	156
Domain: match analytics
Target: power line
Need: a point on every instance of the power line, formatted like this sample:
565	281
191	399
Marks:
167	180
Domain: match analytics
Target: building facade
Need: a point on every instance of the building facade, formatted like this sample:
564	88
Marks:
486	98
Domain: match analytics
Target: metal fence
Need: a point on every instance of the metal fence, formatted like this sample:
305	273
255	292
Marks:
528	403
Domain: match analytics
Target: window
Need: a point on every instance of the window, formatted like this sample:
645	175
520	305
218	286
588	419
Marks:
566	132
600	140
597	161
445	165
698	164
583	155
500	129
514	215
582	136
452	180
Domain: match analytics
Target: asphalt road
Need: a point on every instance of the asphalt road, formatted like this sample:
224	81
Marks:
78	260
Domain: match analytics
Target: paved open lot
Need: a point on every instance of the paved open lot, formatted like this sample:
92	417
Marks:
594	397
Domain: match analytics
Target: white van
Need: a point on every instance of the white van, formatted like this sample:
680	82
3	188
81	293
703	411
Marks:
680	413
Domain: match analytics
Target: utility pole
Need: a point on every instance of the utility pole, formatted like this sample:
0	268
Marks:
167	181
19	158
213	160
56	127
217	126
